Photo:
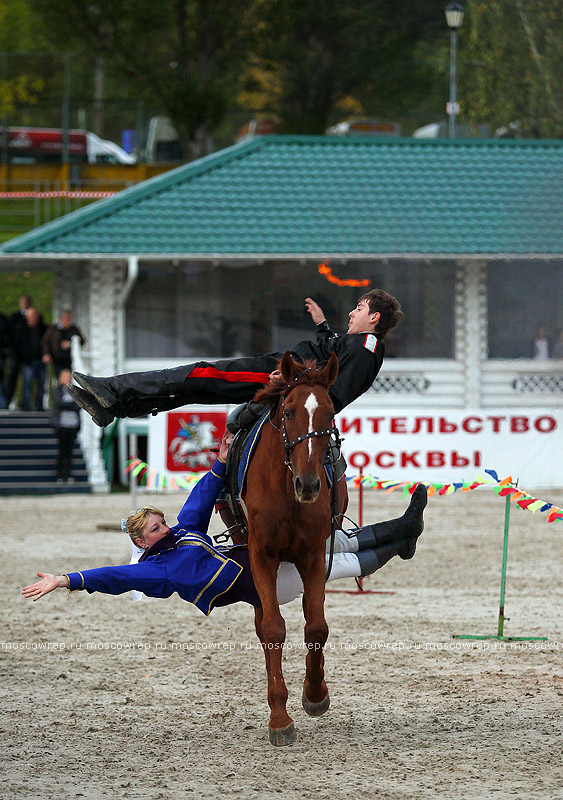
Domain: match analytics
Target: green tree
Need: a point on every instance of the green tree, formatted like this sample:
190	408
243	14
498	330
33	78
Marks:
512	65
324	53
184	54
24	84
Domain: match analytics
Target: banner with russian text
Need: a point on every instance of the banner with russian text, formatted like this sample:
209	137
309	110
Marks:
446	445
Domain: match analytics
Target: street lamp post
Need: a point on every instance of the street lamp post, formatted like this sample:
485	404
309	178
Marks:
454	17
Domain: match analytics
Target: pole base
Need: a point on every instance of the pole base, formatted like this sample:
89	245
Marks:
501	638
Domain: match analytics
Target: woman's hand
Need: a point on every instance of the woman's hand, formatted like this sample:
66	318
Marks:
48	583
314	310
224	448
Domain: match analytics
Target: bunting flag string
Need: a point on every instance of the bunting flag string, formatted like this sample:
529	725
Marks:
151	479
501	487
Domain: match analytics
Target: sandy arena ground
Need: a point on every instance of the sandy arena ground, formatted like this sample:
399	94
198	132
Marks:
104	697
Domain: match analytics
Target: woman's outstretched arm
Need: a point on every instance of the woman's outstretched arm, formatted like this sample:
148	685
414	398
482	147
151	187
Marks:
48	583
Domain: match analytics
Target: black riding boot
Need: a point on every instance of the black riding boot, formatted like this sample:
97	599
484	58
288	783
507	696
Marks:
409	526
136	394
374	559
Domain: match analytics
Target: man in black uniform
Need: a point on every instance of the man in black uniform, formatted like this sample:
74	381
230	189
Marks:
360	354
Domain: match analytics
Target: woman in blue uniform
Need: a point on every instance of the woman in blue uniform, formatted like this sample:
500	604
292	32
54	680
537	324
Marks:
183	558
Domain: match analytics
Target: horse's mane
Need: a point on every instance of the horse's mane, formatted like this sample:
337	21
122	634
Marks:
306	372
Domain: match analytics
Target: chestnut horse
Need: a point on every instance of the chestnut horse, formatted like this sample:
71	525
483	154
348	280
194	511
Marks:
288	504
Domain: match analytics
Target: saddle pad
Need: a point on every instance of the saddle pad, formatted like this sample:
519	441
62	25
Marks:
248	451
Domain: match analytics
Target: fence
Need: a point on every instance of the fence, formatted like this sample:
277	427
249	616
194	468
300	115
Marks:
33	195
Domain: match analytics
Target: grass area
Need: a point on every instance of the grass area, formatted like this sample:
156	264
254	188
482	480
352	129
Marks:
18	216
39	285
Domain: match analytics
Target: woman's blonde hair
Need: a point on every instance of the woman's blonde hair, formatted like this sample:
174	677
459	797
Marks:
136	521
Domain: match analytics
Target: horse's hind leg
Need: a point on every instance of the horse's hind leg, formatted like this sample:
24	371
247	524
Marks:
316	698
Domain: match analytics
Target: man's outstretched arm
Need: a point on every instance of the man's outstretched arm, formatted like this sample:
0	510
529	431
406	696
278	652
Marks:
324	330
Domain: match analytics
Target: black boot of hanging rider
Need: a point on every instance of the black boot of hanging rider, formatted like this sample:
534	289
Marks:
136	394
372	560
409	526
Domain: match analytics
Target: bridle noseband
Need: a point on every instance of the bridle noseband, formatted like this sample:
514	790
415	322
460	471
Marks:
287	445
332	453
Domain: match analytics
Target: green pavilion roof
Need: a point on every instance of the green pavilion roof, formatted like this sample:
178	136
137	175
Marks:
309	195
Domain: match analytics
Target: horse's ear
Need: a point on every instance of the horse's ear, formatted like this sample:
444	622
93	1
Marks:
330	372
287	367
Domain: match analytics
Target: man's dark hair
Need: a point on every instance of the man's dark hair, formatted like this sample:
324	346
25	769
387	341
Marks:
389	308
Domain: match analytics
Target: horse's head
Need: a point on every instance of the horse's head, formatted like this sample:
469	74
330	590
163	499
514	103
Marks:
306	417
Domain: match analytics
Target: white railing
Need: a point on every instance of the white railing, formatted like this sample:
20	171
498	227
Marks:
523	382
90	435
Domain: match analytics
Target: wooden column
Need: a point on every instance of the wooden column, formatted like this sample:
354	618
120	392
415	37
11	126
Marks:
471	326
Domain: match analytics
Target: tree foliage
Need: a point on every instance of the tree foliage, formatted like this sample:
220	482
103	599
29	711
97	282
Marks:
188	54
24	85
310	62
326	55
512	68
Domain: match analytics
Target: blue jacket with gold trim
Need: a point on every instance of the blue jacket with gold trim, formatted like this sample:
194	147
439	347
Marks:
192	566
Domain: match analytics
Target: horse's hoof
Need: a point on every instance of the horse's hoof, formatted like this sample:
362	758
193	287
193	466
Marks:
315	709
281	736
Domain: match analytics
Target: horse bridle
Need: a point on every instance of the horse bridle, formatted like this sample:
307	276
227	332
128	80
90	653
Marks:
288	446
334	434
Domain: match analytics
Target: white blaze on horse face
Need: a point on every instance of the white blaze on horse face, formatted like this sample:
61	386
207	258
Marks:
311	405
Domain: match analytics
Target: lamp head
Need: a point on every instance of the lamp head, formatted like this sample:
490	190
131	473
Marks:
454	15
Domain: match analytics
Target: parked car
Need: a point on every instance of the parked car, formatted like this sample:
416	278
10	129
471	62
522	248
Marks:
263	126
364	127
163	142
45	146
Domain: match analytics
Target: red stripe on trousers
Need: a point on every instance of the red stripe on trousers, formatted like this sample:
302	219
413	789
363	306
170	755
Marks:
231	377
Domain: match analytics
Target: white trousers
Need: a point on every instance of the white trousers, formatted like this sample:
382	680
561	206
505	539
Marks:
345	564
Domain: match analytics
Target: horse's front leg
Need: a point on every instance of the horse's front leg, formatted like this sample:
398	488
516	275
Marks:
316	698
270	627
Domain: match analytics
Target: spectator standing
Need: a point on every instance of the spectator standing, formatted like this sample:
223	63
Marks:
56	342
541	345
26	344
16	325
65	419
4	343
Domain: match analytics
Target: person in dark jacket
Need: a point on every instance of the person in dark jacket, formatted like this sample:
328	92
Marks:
65	419
16	324
56	342
4	345
28	352
360	354
183	558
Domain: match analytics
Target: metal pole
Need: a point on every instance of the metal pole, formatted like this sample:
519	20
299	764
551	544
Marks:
501	618
5	120
66	110
360	581
503	570
133	478
453	76
140	144
361	500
